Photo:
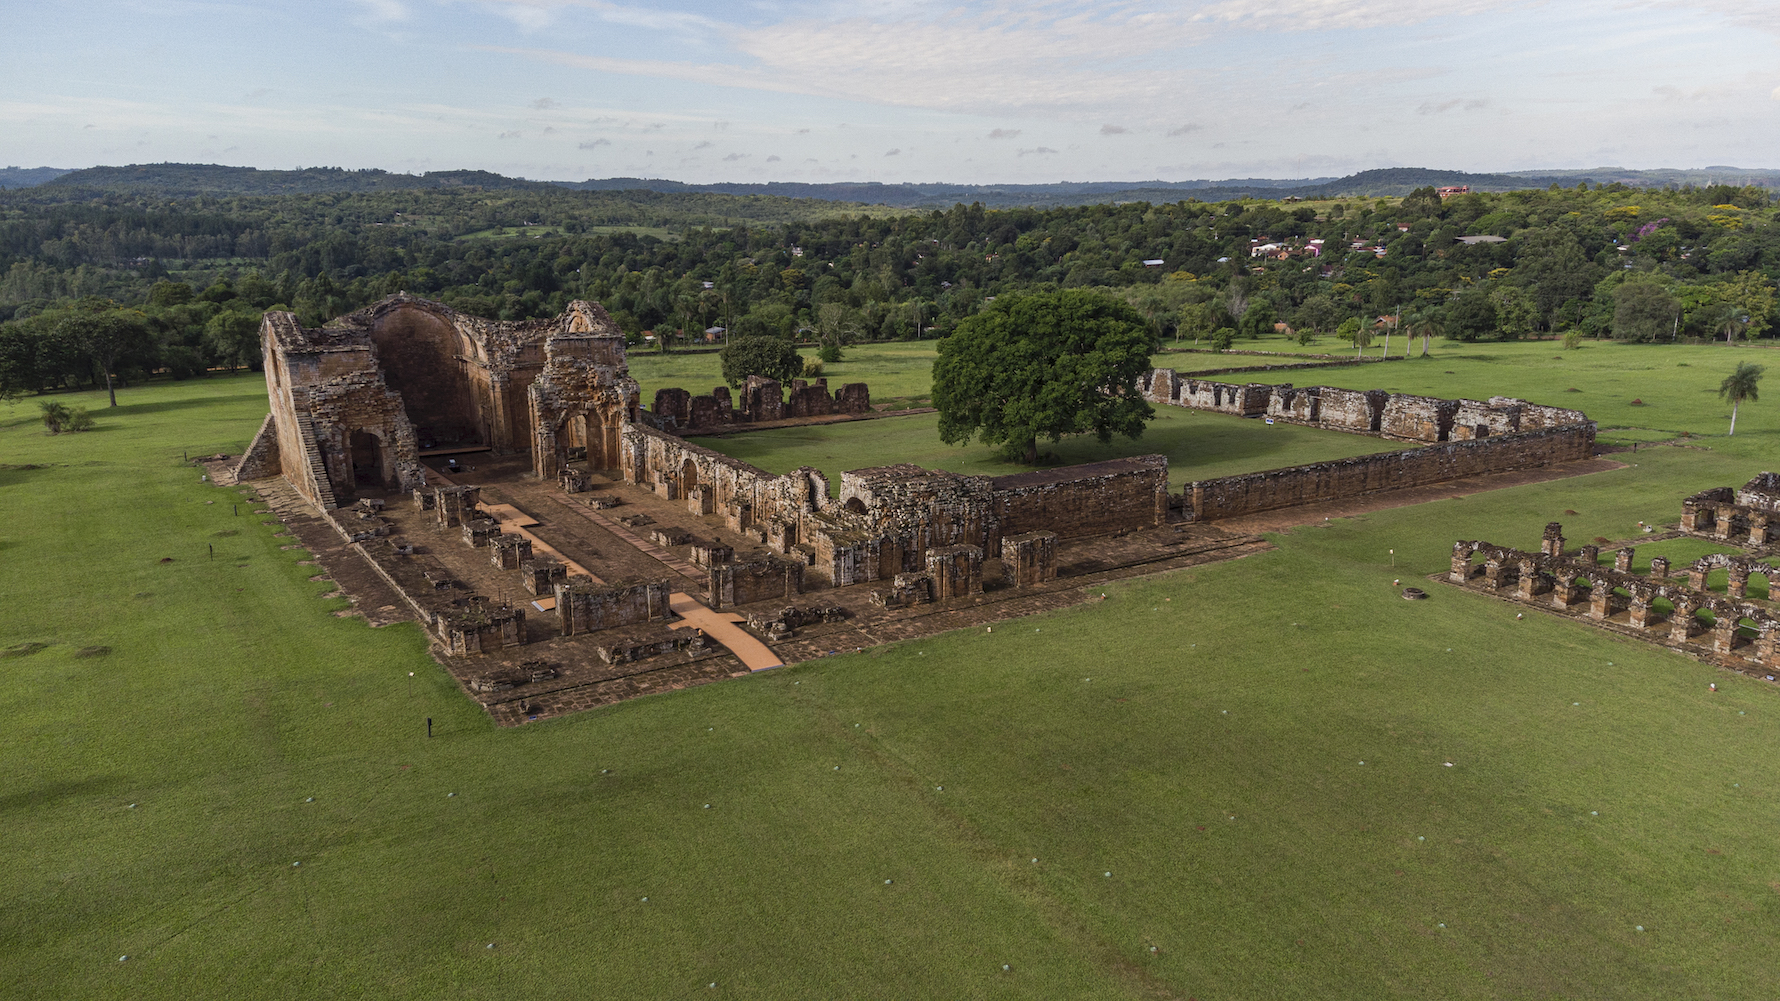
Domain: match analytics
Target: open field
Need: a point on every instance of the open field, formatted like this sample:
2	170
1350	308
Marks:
1183	762
896	370
1199	445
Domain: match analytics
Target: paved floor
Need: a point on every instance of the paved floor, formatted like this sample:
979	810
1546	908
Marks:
721	626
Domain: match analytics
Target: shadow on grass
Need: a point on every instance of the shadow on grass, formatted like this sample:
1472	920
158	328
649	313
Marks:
50	793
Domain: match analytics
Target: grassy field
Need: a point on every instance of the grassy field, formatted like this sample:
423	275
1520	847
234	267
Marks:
1159	795
1198	445
895	370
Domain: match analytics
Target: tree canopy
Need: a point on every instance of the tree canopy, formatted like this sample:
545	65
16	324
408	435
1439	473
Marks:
772	357
1043	365
1741	385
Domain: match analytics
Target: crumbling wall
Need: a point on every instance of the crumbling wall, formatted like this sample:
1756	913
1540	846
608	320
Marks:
1293	486
744	496
1098	498
1030	559
583	606
768	578
1391	415
763	399
1751	513
584	396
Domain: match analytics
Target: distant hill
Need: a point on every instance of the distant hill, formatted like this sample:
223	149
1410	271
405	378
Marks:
28	177
210	178
193	179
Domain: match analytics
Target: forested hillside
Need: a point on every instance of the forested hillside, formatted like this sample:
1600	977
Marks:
184	279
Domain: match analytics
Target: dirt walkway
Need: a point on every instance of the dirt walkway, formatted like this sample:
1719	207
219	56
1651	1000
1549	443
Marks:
721	626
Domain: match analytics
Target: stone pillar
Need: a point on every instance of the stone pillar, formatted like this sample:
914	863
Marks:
1760	529
1738	582
1564	593
541	574
1031	558
1589	556
1682	624
1532	582
1726	514
1602	602
701	499
1498	572
481	532
456	505
957	571
509	551
1461	563
1659	567
1640	611
1724	633
1553	544
1622	560
1767	644
1696	577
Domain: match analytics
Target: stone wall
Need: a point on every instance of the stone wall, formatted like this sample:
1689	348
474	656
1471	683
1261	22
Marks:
1030	559
1750	514
1390	415
583	606
1098	498
1232	496
762	400
768	578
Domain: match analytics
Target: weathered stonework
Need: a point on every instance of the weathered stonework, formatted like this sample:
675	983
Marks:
583	606
509	551
1029	559
1625	599
1750	514
541	574
483	629
956	571
734	584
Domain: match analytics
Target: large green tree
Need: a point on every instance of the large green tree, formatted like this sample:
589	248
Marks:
1042	366
772	357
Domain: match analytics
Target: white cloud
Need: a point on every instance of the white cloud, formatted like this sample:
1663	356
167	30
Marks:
1004	133
544	103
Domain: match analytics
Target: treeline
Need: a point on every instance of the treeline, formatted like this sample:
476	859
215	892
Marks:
1639	264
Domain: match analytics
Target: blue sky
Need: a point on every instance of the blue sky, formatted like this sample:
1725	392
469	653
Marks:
903	90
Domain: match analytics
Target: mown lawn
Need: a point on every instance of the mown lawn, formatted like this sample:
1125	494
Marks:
1182	760
1199	445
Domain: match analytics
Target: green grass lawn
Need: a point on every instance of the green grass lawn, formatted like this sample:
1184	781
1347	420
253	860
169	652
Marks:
1199	445
1183	762
895	370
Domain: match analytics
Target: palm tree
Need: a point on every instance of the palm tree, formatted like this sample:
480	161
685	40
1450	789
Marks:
1730	321
1739	386
1429	324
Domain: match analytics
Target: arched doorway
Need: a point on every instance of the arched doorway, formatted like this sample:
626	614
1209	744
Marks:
855	506
688	477
367	461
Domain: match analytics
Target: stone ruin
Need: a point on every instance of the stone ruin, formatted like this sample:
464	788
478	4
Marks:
763	400
1617	596
1750	514
355	402
1464	438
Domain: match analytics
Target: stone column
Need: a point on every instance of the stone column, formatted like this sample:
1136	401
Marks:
1722	530
1532	582
1738	585
1622	560
1659	567
1690	516
1696	577
1589	556
1600	601
1497	572
1461	563
1564	593
1640	611
1759	529
1682	623
1724	633
1767	644
1553	544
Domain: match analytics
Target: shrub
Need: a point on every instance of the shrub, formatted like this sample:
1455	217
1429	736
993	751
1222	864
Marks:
78	420
1572	339
55	415
829	353
812	368
1222	338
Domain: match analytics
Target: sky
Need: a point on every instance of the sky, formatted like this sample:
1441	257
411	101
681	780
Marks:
900	90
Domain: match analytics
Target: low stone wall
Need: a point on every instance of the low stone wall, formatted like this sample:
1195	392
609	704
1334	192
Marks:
583	606
1098	498
1342	479
734	584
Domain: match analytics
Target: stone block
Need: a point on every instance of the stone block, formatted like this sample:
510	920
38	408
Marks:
957	571
583	606
1029	559
667	535
706	553
541	574
478	533
509	551
905	589
743	583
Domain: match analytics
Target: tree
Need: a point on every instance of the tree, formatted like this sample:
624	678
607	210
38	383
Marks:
1043	365
1739	386
1729	320
1222	338
1317	313
1643	311
1257	321
772	357
1471	316
107	338
233	337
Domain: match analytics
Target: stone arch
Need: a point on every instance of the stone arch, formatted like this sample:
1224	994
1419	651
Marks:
855	506
688	475
426	357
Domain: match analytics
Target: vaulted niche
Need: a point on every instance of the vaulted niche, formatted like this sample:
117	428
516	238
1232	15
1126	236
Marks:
434	367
